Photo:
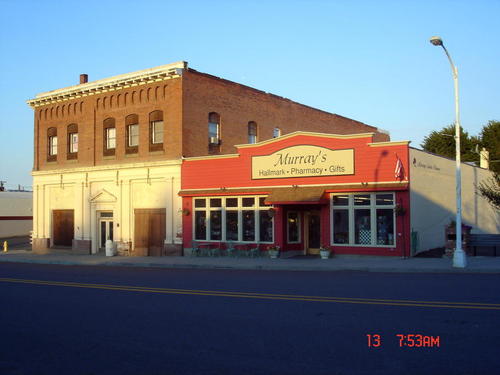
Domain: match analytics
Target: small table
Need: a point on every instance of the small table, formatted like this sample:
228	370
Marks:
209	248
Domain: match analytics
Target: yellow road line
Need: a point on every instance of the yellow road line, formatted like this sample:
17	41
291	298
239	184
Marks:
268	296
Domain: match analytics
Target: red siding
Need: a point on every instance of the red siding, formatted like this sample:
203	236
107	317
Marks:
372	164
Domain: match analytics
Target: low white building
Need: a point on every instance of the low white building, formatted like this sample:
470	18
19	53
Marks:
433	199
16	214
134	205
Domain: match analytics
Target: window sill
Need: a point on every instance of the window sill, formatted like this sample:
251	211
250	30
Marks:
69	161
109	157
156	152
134	155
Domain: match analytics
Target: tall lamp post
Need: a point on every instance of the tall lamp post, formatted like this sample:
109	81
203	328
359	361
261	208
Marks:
459	259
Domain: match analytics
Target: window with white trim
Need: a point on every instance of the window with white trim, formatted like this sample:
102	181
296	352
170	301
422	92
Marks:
73	143
110	138
53	145
363	219
239	219
133	135
156	132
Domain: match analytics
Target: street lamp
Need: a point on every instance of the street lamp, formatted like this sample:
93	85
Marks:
459	259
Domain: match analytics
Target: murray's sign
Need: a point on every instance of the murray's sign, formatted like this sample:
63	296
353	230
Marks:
303	161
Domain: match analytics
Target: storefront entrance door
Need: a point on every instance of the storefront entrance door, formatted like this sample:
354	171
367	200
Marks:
313	232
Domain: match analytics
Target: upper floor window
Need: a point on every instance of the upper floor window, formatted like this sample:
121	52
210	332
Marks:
72	141
156	131
276	132
252	132
213	128
132	134
109	138
52	144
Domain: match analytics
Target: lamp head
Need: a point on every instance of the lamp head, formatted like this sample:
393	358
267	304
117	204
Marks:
436	40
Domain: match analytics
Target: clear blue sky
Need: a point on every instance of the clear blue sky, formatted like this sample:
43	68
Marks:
367	60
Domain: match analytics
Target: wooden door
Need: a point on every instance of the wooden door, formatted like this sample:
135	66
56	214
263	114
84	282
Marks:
156	237
313	232
63	224
149	232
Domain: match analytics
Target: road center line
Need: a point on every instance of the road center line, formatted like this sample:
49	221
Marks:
266	296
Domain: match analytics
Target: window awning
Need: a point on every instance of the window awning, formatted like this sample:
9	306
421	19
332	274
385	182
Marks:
297	195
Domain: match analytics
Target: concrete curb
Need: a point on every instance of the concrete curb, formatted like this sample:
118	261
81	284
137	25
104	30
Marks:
337	264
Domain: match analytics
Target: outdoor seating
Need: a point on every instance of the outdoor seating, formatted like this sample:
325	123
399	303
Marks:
242	249
230	250
255	251
214	250
195	250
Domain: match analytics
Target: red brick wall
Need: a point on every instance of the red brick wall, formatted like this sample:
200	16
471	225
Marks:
238	104
90	112
186	103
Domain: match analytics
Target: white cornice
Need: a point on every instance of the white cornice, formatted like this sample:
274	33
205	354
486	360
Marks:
141	77
310	134
110	167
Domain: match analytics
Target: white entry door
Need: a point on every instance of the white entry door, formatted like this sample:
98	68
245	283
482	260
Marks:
105	228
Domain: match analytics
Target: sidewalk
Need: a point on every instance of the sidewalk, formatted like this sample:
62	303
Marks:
336	263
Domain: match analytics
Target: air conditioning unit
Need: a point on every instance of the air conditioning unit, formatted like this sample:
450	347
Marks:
213	140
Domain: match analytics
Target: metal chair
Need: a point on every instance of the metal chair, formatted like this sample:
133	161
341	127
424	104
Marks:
242	249
254	251
195	249
215	251
230	250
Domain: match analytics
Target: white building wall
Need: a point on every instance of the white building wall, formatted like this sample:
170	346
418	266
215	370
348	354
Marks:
117	188
12	205
433	199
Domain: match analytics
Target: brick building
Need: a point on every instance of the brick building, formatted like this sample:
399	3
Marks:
108	153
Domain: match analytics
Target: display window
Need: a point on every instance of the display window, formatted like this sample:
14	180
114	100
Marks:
363	219
238	219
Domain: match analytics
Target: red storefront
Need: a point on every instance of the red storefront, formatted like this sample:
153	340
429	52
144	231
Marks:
299	192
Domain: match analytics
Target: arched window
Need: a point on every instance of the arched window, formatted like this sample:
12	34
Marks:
276	132
51	144
72	151
109	137
252	132
156	131
132	134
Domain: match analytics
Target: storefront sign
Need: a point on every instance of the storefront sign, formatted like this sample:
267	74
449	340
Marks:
303	161
418	164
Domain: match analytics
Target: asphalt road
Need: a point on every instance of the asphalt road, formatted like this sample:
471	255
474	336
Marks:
98	320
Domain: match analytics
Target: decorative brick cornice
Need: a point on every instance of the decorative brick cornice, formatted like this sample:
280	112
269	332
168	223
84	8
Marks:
142	77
